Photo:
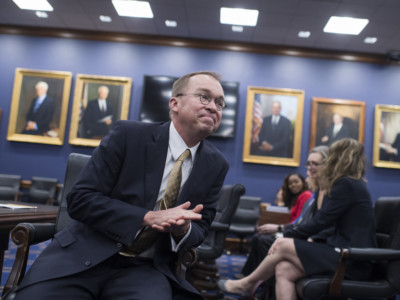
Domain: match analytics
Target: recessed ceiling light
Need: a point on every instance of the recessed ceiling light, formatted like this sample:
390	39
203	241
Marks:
236	28
105	19
42	14
345	25
304	34
171	23
39	5
238	16
370	40
130	8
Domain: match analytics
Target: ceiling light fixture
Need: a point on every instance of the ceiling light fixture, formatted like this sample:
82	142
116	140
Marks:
370	40
171	23
304	34
130	8
236	28
41	14
238	16
39	5
105	19
345	25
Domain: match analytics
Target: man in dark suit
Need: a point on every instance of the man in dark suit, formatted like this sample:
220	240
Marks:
121	191
98	115
41	111
274	137
393	150
339	130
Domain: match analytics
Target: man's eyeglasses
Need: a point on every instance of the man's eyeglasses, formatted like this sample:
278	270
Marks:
312	164
205	100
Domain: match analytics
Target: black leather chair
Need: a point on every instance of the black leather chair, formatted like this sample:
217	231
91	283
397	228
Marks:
245	220
10	187
385	283
204	273
42	190
26	234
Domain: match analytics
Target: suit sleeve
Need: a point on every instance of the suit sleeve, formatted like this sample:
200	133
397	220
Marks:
90	202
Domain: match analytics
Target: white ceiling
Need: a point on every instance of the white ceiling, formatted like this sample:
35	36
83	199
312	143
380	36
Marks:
278	24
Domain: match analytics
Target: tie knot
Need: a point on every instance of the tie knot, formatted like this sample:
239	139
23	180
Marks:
184	155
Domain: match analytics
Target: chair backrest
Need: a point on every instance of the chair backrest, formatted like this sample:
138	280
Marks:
247	212
42	189
387	212
76	162
9	186
228	202
213	245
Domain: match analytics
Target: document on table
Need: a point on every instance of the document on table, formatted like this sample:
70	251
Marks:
16	206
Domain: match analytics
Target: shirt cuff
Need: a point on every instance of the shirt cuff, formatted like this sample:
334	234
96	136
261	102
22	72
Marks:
174	246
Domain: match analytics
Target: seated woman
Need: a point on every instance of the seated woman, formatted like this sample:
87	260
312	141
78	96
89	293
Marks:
295	193
264	238
347	207
279	198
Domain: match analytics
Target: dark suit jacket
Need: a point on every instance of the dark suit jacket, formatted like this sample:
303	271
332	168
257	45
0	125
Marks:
91	117
396	144
344	132
278	137
349	210
116	189
42	116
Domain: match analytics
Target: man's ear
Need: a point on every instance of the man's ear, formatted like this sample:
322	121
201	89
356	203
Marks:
173	104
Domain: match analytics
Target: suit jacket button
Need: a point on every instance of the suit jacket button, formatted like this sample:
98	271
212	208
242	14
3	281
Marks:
119	245
88	263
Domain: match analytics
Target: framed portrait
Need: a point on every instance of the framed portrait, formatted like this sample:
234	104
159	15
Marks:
99	101
334	119
272	133
39	106
386	152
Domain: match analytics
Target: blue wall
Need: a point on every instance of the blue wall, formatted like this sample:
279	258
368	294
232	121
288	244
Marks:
372	83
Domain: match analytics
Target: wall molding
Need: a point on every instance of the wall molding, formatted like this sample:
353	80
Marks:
197	43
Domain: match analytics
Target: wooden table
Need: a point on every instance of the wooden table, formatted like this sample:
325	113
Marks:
273	217
11	217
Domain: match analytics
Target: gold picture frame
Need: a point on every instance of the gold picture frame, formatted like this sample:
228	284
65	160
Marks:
349	115
386	150
88	125
266	142
45	122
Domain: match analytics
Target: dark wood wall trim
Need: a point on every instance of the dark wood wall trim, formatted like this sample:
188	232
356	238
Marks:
196	43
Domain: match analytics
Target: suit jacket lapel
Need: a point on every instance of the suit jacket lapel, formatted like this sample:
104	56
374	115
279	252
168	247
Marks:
156	153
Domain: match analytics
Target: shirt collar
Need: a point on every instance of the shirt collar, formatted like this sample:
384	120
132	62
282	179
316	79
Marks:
177	145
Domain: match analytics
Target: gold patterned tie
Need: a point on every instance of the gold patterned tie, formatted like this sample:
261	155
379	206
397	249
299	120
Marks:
148	236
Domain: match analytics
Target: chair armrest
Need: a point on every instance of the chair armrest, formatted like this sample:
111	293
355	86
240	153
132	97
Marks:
377	254
24	235
358	254
217	226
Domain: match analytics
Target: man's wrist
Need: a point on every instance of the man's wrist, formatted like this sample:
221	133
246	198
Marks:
180	233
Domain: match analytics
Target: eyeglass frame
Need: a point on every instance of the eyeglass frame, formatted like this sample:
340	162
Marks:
205	100
312	164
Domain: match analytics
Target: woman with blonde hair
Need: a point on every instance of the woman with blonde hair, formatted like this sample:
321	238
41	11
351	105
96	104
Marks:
347	207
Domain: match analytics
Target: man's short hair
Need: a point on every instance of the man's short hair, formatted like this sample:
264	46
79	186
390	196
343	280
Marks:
103	87
43	84
181	82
